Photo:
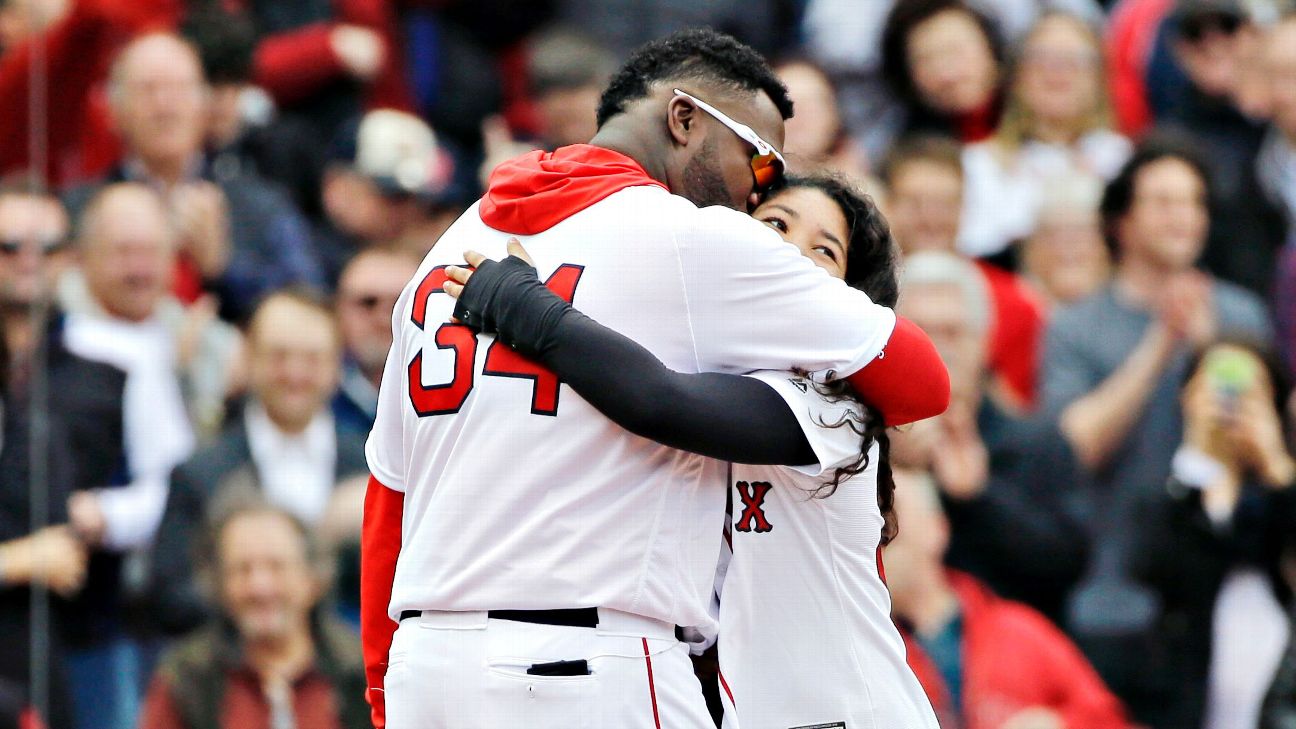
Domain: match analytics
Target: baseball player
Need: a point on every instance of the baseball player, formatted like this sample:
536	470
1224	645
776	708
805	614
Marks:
532	558
806	638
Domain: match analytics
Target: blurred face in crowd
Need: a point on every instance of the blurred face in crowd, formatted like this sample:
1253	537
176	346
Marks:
267	586
33	248
128	251
924	205
160	100
951	62
1280	65
941	310
813	132
1167	221
568	115
357	206
1211	49
19	19
918	550
1066	254
294	361
367	293
1059	75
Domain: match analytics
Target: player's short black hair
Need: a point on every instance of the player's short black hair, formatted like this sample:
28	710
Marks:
697	54
1118	197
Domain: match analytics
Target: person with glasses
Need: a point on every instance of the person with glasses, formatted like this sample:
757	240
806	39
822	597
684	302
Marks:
525	560
808	521
367	291
84	451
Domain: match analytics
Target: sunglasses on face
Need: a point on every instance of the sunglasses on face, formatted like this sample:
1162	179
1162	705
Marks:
46	246
371	302
767	164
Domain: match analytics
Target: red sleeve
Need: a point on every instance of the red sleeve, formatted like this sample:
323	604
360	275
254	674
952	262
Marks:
380	542
1082	699
908	381
293	65
77	51
1015	333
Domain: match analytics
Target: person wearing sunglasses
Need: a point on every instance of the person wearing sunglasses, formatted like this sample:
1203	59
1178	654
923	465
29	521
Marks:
522	553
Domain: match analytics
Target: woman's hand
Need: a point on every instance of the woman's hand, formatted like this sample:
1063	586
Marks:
459	275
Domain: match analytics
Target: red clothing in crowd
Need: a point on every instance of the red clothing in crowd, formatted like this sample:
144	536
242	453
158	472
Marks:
77	52
1014	659
1015	332
244	704
296	64
1130	38
291	65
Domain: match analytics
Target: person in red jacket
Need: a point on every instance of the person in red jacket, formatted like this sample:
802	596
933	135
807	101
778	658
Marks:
985	662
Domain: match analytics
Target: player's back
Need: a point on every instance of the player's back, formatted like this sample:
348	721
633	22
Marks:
519	495
806	636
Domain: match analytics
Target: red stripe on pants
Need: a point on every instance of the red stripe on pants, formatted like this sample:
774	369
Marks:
652	689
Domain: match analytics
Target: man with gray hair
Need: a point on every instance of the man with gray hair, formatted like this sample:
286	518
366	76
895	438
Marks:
273	657
238	236
1009	484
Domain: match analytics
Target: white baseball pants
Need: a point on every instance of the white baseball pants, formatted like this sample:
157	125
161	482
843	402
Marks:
461	670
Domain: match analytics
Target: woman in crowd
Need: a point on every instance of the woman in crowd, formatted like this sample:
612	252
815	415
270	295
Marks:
1056	125
1211	543
816	137
810	528
943	60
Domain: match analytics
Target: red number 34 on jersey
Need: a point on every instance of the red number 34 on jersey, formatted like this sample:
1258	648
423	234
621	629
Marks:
501	361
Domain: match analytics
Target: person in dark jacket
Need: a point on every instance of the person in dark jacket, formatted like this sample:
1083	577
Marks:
273	657
287	447
1210	544
1011	487
81	448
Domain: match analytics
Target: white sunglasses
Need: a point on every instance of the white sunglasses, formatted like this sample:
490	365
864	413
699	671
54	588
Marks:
767	164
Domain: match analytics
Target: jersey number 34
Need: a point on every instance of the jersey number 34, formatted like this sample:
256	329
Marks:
501	361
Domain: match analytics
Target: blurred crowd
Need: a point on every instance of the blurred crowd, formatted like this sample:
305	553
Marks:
209	207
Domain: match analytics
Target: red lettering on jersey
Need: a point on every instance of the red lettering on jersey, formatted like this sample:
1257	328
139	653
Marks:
503	361
448	397
753	498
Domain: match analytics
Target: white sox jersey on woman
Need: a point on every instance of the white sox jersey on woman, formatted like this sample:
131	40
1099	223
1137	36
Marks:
517	493
806	638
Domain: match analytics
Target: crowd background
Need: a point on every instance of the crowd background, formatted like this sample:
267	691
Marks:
209	207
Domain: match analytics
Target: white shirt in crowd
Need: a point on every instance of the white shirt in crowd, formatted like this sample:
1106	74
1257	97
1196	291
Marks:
296	470
1002	192
159	435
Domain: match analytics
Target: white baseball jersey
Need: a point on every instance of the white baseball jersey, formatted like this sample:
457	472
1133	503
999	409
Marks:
518	494
806	637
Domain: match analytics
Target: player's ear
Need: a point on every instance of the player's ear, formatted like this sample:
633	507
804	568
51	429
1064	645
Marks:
681	120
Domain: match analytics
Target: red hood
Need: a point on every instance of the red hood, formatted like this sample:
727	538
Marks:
538	190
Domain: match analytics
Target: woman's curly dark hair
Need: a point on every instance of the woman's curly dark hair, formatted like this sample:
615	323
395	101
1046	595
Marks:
872	261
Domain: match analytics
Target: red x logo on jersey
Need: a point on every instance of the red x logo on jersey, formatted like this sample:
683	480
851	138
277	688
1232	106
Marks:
753	496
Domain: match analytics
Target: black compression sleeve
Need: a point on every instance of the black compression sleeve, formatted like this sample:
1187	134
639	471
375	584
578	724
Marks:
728	417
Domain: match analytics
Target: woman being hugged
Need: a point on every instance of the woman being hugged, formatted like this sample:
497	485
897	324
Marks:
806	636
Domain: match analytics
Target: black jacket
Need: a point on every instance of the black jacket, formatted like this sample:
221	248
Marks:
1181	555
223	470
